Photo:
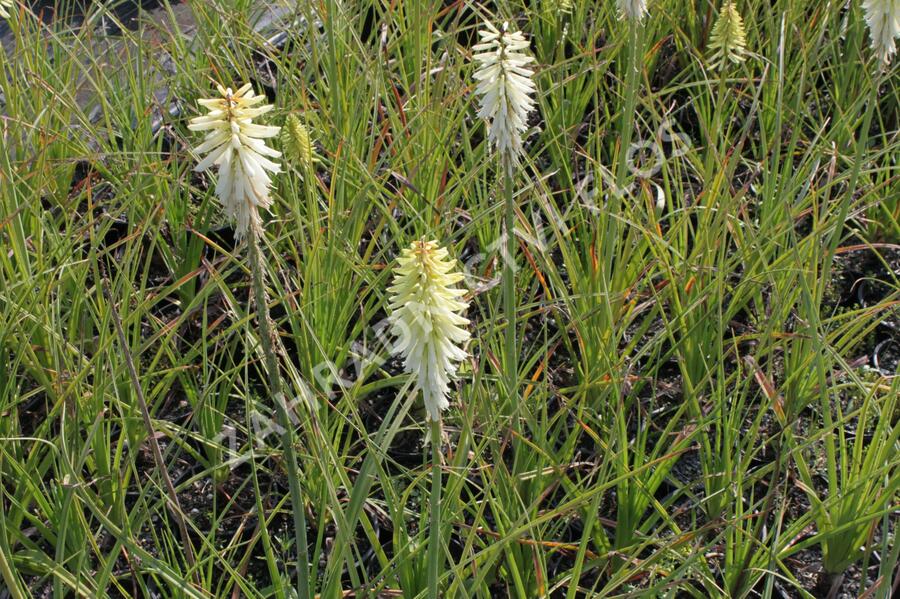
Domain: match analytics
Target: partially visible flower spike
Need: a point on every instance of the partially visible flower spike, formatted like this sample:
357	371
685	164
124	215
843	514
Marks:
296	143
425	317
5	5
506	87
728	39
883	18
633	9
234	144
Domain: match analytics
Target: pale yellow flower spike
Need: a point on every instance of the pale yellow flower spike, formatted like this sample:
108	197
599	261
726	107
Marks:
728	39
235	144
425	317
5	5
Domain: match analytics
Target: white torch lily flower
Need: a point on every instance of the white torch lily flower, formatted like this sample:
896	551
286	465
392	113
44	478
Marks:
235	144
5	5
506	88
425	317
633	9
883	18
728	38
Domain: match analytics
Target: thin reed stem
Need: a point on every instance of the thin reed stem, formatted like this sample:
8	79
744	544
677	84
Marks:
287	438
509	287
434	533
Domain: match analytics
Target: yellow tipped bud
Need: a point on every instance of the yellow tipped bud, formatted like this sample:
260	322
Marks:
729	38
565	6
297	144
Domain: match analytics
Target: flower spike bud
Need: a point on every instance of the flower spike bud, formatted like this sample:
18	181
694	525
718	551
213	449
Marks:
5	5
728	38
633	9
883	18
235	144
426	318
506	88
296	143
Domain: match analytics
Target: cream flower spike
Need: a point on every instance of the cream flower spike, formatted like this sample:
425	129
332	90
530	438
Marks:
235	144
883	18
728	38
633	9
5	5
425	317
506	88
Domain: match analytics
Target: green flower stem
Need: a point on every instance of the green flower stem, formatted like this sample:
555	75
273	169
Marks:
287	437
434	533
509	287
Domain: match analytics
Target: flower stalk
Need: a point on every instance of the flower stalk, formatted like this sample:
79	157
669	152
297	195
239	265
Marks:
425	316
236	145
506	88
509	288
257	266
434	531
